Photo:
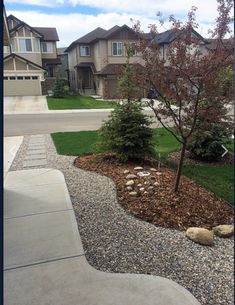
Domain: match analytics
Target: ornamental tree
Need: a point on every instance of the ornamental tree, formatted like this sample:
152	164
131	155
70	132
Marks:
187	75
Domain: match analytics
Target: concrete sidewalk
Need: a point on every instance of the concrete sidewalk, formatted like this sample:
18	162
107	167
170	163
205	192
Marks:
44	258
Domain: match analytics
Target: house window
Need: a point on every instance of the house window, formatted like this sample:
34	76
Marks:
34	77
12	78
47	47
85	51
117	48
27	77
5	78
19	77
25	45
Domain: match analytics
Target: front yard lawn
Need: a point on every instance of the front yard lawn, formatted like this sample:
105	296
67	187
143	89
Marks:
217	179
77	102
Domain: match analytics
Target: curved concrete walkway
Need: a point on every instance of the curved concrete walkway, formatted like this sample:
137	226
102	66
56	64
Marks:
45	262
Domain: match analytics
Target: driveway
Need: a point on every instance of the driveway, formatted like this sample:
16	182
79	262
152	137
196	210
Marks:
24	104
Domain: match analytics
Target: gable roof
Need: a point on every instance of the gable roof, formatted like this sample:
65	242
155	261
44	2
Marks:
170	35
88	38
49	34
13	55
98	33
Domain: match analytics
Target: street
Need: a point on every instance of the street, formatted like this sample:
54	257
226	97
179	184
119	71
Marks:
44	123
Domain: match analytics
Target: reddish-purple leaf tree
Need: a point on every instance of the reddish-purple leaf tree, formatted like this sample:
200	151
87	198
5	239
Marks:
188	75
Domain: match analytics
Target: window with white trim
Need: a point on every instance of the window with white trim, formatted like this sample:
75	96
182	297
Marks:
47	47
25	45
117	48
85	51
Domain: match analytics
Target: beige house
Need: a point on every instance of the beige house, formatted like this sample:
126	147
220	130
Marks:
30	58
94	59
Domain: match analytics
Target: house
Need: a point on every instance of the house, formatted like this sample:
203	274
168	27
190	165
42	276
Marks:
30	58
95	58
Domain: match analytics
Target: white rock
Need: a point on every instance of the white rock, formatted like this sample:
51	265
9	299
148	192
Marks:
129	188
153	169
133	193
224	230
130	183
142	189
146	192
200	235
126	171
139	185
156	183
158	173
138	168
131	176
150	187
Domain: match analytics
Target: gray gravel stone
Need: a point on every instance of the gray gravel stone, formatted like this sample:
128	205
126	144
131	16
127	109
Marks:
115	241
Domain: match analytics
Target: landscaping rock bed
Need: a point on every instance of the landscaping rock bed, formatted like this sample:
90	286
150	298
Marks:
150	197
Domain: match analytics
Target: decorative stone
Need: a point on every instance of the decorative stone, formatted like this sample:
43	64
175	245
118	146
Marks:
153	169
130	183
129	188
145	182
158	173
224	230
150	188
138	168
156	183
142	189
131	176
143	174
139	185
126	171
145	192
133	193
200	235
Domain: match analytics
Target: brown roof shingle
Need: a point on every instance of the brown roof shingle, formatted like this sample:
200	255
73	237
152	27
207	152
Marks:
49	34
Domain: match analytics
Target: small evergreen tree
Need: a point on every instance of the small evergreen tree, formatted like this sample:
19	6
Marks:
127	133
59	91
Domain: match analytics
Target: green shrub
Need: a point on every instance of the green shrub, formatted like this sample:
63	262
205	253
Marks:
59	88
127	133
206	145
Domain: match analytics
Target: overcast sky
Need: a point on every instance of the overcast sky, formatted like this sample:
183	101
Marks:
75	18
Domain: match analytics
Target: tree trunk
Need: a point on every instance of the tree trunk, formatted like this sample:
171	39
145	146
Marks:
180	165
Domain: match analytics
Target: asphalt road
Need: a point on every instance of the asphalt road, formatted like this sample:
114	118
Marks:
30	124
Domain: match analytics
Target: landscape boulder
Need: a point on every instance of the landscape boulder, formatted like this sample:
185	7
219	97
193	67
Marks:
224	230
200	235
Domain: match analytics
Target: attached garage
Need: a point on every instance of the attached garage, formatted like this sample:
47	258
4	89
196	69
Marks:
22	77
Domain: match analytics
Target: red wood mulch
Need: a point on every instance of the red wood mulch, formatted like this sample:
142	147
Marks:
192	206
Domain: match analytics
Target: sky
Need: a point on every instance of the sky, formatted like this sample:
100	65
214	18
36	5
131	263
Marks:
75	18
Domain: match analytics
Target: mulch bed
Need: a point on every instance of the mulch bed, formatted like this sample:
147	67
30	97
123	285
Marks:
192	206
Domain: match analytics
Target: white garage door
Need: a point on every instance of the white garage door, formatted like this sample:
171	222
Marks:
22	85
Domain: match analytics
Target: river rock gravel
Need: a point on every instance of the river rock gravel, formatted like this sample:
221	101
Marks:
115	241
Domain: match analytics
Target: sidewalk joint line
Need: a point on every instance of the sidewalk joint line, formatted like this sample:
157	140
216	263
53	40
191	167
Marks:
42	213
44	262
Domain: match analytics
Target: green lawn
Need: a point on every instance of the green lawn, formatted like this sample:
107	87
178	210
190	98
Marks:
217	179
77	102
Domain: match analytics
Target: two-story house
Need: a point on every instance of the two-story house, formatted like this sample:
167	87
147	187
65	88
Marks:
95	59
30	59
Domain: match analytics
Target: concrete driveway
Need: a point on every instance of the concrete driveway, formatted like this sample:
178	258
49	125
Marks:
24	104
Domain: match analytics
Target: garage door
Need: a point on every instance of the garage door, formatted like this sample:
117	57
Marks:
22	85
